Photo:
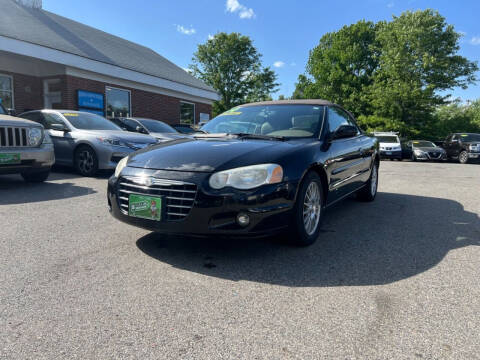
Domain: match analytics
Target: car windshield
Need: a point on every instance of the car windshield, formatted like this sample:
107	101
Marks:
271	120
423	144
387	139
87	121
184	129
156	126
470	137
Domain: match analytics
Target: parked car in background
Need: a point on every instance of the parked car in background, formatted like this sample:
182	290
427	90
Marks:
389	143
186	129
155	128
424	150
25	148
86	141
462	147
298	157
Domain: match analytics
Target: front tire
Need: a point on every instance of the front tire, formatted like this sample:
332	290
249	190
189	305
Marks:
86	161
463	157
308	211
36	177
369	191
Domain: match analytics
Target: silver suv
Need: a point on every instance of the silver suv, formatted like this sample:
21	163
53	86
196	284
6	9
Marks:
25	148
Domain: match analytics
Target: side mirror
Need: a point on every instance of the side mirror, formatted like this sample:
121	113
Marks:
140	130
345	131
59	127
11	112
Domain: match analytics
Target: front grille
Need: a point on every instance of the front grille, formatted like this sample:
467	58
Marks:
434	155
13	136
177	196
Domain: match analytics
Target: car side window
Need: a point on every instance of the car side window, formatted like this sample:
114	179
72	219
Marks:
52	118
34	116
337	117
131	125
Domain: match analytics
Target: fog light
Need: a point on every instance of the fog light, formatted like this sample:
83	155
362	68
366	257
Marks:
243	219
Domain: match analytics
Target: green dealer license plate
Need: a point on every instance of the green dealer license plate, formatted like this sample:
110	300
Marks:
145	207
9	159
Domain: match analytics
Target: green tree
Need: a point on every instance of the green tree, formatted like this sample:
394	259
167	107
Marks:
395	74
455	117
340	67
418	62
232	66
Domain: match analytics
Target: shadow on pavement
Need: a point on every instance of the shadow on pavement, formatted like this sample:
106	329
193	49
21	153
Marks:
13	190
393	238
60	172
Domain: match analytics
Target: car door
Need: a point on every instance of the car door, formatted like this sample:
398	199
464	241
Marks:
63	141
346	156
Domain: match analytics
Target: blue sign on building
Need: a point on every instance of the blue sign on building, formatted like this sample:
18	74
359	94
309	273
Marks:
91	100
98	112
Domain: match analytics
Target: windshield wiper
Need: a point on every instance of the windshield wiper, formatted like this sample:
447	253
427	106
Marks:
259	136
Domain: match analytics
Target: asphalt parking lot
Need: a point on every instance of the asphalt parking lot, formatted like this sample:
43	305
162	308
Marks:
398	278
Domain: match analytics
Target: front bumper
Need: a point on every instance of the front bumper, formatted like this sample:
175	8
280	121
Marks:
32	159
109	156
214	212
427	156
473	155
390	154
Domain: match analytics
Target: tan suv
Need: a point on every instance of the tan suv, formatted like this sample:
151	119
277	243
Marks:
24	148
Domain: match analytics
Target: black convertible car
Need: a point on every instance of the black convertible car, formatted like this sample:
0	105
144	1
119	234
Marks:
261	168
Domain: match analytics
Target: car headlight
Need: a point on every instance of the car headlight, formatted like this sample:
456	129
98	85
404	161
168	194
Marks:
247	177
419	152
112	142
121	164
46	139
34	136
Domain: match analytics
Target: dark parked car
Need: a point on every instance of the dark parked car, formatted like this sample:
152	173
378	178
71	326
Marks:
186	129
424	150
155	128
462	147
297	158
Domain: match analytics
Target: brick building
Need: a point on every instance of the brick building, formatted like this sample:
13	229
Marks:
49	61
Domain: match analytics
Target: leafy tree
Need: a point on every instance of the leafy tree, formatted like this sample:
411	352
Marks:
395	74
418	61
340	67
455	117
231	65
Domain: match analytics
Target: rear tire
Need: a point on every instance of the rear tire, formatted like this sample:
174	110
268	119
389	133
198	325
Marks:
86	161
36	177
308	211
369	191
463	157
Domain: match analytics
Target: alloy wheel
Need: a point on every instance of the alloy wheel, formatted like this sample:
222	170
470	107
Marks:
312	208
85	161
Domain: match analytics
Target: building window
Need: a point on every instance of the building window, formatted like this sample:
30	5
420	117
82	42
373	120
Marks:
6	91
187	113
52	93
118	102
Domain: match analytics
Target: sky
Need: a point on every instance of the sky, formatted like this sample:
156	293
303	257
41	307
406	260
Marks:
283	31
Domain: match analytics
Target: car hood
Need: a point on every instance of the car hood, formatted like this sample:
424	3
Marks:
122	135
167	136
208	155
389	144
7	120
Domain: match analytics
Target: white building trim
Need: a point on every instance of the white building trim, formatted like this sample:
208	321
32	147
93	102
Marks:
75	61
